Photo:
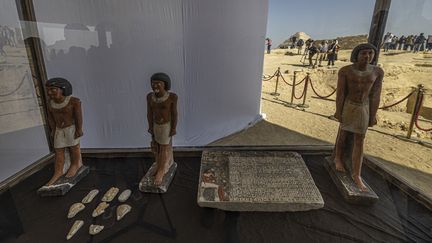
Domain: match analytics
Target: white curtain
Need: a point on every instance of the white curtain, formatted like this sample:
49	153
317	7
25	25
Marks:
212	50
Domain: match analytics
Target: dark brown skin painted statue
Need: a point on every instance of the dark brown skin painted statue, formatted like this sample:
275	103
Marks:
65	121
162	119
357	100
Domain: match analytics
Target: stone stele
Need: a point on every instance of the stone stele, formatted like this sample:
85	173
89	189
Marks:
272	181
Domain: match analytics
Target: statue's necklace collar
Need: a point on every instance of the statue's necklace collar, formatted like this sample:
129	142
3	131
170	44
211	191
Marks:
160	99
366	72
60	105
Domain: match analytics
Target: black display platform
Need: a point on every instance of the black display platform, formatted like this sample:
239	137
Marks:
176	217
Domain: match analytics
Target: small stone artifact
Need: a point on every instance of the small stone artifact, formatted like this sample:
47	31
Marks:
95	229
124	196
357	100
75	227
110	194
90	196
122	210
100	209
65	122
74	209
162	119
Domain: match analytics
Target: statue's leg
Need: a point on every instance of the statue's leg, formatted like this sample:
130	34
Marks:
156	152
357	159
170	155
58	165
76	161
163	163
340	142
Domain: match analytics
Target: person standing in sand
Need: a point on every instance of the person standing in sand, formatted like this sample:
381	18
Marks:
65	121
162	121
268	44
357	100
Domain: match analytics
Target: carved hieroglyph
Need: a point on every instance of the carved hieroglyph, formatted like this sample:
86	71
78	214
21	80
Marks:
75	227
74	209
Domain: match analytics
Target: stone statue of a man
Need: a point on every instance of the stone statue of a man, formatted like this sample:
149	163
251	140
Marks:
65	121
162	121
357	99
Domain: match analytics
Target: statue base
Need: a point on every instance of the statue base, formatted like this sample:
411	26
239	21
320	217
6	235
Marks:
63	184
147	182
347	186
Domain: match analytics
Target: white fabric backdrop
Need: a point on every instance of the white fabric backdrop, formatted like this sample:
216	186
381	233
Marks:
212	50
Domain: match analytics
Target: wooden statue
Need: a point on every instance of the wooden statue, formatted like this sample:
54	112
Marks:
162	121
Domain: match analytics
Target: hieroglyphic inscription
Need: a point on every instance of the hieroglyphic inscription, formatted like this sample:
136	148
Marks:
271	179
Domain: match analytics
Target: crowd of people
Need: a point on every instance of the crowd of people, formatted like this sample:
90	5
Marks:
319	51
414	43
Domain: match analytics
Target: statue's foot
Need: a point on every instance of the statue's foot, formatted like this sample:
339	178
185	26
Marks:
359	182
339	166
156	169
53	179
159	177
73	169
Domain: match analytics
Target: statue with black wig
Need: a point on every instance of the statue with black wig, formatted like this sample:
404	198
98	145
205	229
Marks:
65	122
162	122
357	100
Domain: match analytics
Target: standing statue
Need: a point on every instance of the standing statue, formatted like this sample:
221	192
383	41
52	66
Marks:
162	121
65	122
357	99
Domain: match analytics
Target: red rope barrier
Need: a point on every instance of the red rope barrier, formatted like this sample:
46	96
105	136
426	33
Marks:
301	81
397	103
417	115
303	93
267	79
283	79
320	96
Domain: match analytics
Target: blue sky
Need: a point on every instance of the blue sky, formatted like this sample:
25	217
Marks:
332	18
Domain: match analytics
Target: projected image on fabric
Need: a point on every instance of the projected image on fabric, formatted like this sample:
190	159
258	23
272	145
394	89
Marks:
22	135
19	108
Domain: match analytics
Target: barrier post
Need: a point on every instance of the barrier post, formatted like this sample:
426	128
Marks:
275	93
291	104
303	105
416	109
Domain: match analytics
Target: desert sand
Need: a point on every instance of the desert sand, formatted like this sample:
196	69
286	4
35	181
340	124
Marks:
408	160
